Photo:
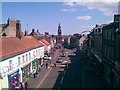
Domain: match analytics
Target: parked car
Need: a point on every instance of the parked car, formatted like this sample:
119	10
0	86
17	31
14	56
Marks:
62	55
59	60
47	57
66	62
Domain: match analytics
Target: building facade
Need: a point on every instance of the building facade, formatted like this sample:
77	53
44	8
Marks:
104	46
18	61
10	29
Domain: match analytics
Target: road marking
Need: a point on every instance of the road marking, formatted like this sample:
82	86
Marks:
64	72
60	83
61	80
44	78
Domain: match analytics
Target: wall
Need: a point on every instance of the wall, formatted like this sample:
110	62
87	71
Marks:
5	69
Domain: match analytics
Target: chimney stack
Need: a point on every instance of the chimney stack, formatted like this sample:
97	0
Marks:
26	33
46	33
18	29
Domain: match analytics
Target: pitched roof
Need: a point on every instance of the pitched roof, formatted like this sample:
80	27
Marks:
12	46
31	42
45	42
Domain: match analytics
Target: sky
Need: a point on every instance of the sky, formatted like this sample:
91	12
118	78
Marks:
74	16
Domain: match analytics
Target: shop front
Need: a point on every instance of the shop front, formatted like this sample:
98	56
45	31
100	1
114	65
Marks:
26	72
40	61
35	65
14	80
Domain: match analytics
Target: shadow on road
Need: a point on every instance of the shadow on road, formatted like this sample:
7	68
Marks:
71	76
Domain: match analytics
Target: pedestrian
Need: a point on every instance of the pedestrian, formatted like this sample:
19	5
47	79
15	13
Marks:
22	85
46	65
54	64
26	85
39	68
34	75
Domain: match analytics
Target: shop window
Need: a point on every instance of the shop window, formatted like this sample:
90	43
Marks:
29	56
19	63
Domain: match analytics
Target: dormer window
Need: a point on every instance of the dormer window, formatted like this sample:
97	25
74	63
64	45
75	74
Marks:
99	30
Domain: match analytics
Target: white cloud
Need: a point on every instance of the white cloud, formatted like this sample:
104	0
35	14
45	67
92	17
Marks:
91	1
69	4
90	26
68	9
108	7
84	17
65	10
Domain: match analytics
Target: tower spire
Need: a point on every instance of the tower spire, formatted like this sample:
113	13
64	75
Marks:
59	29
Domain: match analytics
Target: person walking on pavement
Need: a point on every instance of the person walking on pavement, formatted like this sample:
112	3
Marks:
34	73
26	85
46	65
22	85
54	64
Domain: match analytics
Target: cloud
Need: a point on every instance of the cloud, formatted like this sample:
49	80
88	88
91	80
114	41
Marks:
83	17
65	10
68	9
90	1
69	4
108	7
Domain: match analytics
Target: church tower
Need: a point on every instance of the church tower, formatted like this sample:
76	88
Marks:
59	30
59	36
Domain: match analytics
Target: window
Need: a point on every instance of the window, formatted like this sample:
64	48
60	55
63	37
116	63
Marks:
10	65
26	57
99	30
34	54
95	30
19	63
23	59
29	56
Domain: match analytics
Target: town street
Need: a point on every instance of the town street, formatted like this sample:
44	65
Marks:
72	76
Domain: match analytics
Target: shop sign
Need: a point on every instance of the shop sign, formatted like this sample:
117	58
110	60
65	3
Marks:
4	71
14	74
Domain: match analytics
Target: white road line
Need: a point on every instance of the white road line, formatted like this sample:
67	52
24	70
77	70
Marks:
44	78
61	80
64	72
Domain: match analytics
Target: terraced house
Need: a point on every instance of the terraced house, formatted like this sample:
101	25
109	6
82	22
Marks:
104	46
19	56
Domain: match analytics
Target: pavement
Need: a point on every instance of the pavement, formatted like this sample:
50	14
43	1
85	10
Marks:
34	82
93	80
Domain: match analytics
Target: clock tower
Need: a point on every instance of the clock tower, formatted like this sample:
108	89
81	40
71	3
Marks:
59	30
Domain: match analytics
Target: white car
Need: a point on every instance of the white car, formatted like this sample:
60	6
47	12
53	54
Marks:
47	57
66	62
60	60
